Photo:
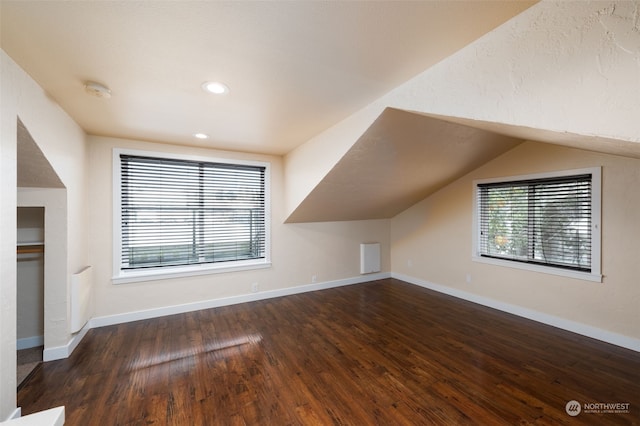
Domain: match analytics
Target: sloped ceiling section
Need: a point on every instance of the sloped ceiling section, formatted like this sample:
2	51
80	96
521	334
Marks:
572	140
564	73
34	170
402	158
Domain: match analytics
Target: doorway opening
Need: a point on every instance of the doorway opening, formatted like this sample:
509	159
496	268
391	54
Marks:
29	290
41	271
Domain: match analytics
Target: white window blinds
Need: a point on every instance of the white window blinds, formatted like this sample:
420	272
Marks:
179	212
540	221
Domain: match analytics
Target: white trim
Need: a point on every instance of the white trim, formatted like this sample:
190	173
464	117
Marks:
187	271
215	303
534	176
50	417
55	353
596	219
29	342
62	352
562	323
121	277
16	414
586	276
116	239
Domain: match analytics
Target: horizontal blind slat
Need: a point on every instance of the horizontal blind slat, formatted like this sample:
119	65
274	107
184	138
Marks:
546	221
177	212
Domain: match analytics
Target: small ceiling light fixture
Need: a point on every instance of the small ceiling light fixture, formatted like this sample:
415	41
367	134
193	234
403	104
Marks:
201	136
96	89
215	87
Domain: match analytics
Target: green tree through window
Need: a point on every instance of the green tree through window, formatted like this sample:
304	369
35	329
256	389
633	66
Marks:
544	221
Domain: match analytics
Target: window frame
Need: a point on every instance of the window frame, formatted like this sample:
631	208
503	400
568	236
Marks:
596	217
122	276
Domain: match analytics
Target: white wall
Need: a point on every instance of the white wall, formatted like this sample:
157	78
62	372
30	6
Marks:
8	132
63	144
328	251
565	66
432	244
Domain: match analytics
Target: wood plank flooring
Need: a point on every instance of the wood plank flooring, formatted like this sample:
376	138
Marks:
384	352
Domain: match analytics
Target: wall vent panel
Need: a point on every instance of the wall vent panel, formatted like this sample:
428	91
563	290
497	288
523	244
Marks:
369	258
81	299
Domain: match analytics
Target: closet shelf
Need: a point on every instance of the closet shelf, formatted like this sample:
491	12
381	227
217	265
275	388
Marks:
28	248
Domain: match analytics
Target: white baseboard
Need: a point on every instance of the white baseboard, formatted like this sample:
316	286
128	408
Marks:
61	352
562	323
50	417
215	303
16	414
29	342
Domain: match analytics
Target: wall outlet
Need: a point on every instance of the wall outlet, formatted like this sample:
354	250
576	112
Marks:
255	288
468	278
314	278
409	263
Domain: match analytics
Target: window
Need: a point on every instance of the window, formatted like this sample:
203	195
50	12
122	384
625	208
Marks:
182	216
548	222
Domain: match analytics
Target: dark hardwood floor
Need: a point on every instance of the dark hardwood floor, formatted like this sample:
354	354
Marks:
384	352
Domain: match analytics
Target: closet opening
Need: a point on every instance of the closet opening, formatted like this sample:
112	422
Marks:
29	290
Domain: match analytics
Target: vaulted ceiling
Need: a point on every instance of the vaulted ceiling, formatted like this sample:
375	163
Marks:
293	69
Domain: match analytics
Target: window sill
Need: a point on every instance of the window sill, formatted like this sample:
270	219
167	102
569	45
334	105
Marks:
153	274
586	276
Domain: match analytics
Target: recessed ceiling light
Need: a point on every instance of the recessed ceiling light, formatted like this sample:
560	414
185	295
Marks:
96	89
215	87
201	136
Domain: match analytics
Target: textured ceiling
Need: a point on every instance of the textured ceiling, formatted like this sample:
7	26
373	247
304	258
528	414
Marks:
584	142
294	68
